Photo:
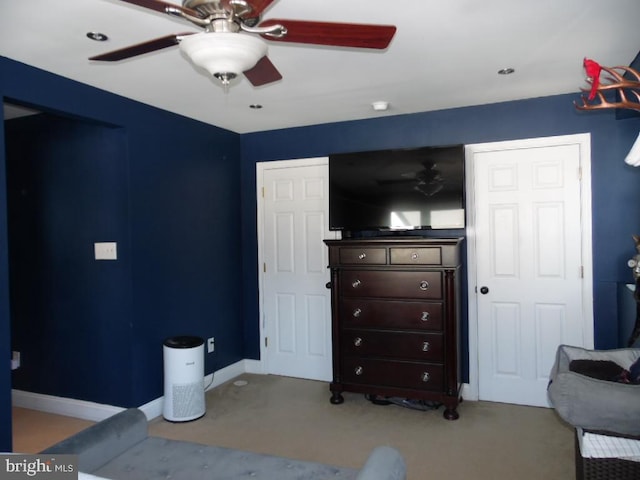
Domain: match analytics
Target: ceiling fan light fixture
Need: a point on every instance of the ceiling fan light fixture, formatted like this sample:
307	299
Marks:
224	55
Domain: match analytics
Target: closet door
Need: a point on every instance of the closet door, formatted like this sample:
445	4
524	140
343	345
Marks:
530	291
296	305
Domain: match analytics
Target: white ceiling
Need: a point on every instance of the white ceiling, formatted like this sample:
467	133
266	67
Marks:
445	54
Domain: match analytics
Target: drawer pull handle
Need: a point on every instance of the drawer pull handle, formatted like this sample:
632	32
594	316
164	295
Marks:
357	312
356	283
425	376
357	341
424	285
359	370
425	316
362	256
425	346
414	256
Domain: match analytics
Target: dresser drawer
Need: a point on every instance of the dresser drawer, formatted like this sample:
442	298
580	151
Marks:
399	345
415	256
362	256
391	284
415	375
392	314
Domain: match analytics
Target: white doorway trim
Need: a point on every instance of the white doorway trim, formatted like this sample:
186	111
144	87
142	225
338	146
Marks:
261	167
584	142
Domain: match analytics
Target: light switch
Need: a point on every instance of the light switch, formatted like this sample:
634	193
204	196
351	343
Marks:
106	250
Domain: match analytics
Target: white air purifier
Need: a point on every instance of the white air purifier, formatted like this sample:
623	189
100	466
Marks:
183	378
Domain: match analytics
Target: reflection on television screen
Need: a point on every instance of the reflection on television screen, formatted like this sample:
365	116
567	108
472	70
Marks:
418	188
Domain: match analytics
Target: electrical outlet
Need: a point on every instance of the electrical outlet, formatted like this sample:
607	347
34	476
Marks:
106	250
15	360
211	346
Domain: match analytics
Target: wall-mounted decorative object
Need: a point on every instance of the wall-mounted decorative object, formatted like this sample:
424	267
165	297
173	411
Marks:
620	89
623	84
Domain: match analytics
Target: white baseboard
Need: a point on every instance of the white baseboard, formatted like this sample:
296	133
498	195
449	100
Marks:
254	366
63	406
225	374
468	393
96	411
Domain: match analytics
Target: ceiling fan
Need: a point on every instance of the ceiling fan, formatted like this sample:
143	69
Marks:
229	44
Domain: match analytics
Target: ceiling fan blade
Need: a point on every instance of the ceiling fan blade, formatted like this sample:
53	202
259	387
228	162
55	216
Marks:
259	6
333	34
161	7
141	48
264	72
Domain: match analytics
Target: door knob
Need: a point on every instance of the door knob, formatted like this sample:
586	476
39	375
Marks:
484	290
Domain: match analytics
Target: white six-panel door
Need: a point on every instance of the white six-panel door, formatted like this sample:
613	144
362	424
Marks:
296	304
530	280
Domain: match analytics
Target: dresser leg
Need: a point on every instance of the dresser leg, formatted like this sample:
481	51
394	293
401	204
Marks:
336	398
451	413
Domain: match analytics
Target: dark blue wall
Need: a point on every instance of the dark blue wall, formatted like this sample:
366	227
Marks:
167	190
191	195
5	329
615	192
67	188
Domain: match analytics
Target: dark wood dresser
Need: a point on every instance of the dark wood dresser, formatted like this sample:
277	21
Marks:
395	314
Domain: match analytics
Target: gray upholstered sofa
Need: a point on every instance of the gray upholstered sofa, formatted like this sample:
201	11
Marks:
120	448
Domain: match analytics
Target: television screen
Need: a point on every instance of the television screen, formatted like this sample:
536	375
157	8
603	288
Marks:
401	189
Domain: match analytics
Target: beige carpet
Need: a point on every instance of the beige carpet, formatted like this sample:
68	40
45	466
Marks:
33	431
293	418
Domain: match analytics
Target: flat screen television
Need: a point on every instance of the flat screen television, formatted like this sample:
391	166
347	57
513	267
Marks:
401	189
